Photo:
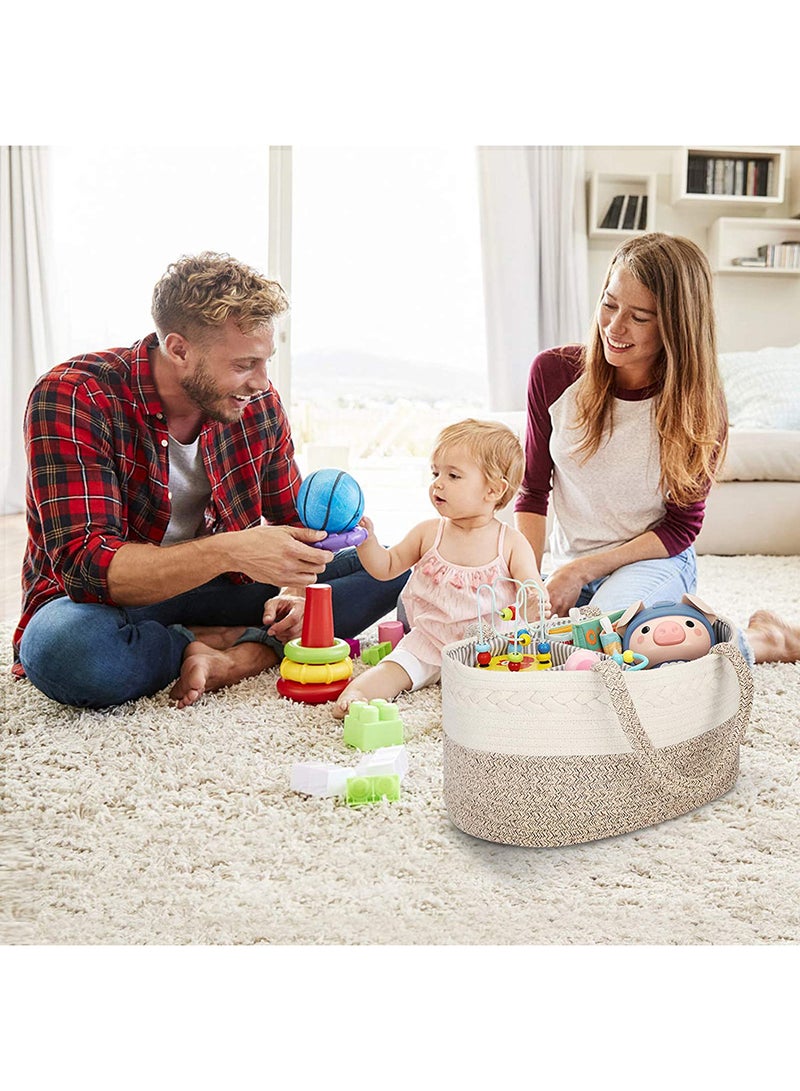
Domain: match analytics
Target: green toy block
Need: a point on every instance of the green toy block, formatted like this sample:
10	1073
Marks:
371	725
586	634
361	790
375	654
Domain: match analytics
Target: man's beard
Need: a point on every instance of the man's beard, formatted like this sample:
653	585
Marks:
207	396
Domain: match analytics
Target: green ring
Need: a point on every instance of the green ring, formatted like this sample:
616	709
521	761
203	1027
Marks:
299	653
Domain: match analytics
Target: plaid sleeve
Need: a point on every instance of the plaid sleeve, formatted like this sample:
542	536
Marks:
73	483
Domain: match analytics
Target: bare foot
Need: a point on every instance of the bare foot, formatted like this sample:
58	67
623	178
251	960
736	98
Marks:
206	669
218	636
772	639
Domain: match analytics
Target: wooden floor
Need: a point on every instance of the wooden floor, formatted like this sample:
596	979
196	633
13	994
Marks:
12	537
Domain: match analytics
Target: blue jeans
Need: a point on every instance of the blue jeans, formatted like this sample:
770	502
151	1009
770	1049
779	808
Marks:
91	655
651	581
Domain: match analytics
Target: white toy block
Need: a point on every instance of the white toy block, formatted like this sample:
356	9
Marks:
386	761
315	779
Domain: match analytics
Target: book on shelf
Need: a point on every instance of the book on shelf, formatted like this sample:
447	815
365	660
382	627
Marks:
642	224
626	212
750	263
781	255
730	176
631	215
739	177
612	216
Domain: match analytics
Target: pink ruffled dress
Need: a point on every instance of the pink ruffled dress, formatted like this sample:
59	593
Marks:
440	598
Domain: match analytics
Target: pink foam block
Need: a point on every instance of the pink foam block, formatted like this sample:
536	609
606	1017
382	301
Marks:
390	630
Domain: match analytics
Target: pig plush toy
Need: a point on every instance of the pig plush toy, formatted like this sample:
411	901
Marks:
668	632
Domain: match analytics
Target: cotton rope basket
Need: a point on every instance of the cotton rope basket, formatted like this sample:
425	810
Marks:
555	757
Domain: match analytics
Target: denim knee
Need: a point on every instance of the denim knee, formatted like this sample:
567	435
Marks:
90	655
662	580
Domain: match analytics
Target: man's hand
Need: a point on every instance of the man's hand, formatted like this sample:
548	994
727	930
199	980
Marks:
283	614
563	589
278	555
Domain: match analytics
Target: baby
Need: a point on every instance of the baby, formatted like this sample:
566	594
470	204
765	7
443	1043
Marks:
477	468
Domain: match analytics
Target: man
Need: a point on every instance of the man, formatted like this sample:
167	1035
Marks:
163	538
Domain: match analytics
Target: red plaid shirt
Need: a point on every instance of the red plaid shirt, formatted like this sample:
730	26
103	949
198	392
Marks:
98	473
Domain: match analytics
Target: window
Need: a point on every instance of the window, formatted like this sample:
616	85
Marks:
122	214
387	319
387	331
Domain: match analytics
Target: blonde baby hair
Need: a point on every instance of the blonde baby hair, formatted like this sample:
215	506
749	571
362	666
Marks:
494	447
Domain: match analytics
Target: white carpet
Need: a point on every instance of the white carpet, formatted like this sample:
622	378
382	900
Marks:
151	825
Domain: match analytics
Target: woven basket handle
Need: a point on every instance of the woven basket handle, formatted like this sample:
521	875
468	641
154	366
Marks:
655	764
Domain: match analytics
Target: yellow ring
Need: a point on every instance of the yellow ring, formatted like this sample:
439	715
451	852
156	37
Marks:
316	672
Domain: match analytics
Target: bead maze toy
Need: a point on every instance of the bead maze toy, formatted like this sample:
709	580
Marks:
332	500
317	666
520	653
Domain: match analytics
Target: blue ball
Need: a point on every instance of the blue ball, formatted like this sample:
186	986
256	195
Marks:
330	500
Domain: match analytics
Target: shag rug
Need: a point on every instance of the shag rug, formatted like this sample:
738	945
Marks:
150	825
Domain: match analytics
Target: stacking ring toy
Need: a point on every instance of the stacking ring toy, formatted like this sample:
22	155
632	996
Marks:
316	673
301	653
310	693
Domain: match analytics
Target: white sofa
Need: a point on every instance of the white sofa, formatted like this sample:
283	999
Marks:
754	507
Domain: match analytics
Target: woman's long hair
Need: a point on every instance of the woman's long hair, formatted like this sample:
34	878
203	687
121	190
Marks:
690	410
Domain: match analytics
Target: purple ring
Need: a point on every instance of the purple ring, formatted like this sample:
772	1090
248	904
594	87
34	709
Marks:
335	542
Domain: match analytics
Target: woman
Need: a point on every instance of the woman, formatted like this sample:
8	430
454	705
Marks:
628	431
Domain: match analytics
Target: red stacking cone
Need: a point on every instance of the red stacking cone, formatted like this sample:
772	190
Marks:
318	618
317	667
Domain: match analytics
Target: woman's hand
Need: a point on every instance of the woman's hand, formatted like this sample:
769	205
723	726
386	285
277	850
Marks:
564	588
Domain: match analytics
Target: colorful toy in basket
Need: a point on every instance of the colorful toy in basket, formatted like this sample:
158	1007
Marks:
317	667
332	500
668	632
527	647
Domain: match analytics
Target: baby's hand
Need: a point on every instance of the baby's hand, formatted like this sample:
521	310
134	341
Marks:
367	524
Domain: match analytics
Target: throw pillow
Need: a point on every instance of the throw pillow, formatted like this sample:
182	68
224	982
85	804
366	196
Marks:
762	388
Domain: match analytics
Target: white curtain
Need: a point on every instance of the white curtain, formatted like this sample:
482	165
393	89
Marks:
535	260
25	313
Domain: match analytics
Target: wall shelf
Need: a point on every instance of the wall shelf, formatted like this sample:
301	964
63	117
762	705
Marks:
604	188
740	237
748	177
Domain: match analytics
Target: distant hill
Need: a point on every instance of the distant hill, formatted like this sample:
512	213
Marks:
360	376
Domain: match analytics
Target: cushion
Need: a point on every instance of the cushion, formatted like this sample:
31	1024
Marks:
762	388
759	455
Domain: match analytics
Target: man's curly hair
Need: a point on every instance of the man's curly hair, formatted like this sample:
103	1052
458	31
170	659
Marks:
199	293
